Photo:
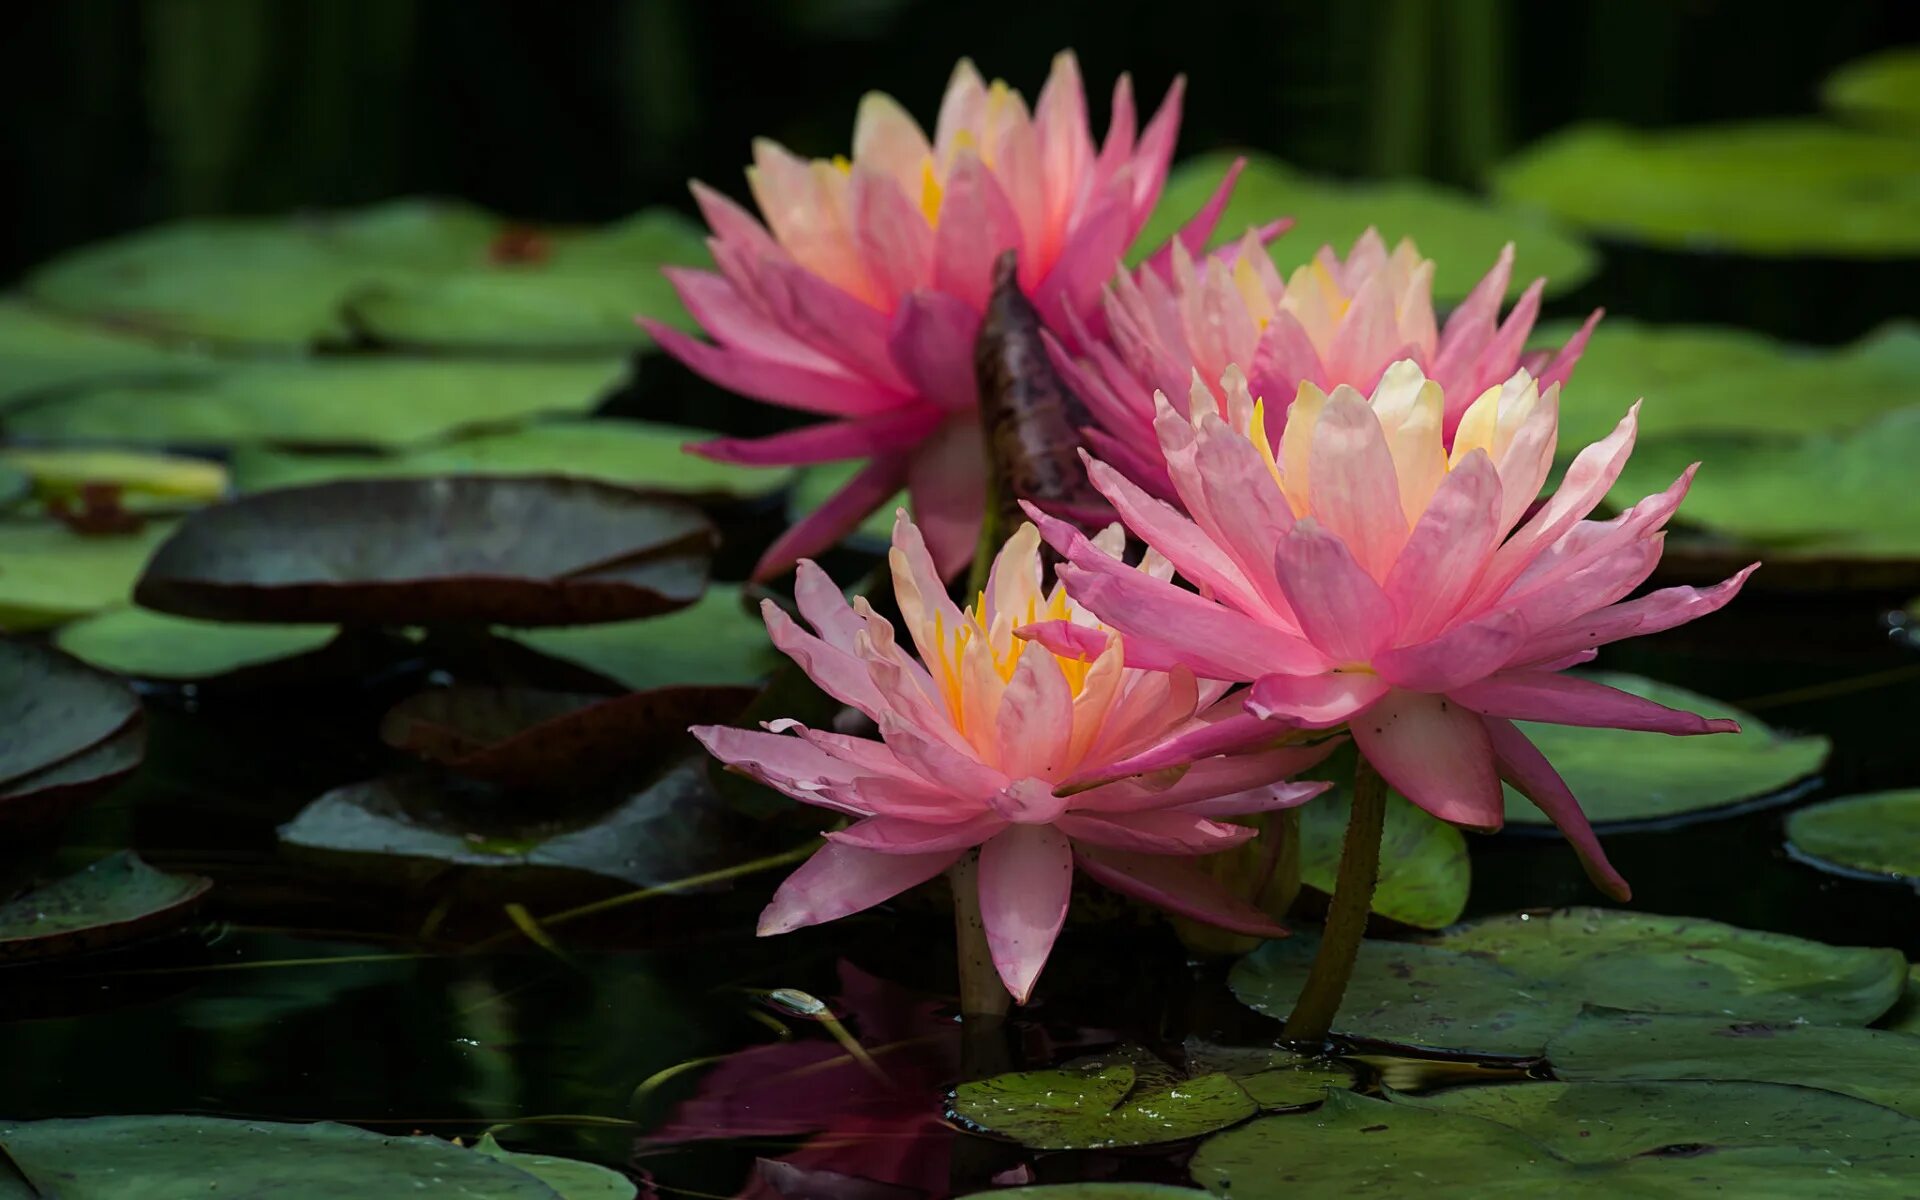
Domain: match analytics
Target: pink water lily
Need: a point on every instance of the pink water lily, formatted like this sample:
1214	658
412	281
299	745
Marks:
859	298
1331	322
1363	575
989	741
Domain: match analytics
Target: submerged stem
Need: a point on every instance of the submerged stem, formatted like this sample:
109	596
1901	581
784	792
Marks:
1326	984
981	992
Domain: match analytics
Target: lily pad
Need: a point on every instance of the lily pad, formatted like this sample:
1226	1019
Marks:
1869	1064
1103	1190
150	645
716	640
1697	379
524	737
1622	776
33	802
52	708
1881	88
572	1179
1463	234
1778	187
114	901
1276	1079
1502	987
1904	1017
640	454
381	403
1875	834
533	550
66	470
165	1158
44	352
15	485
1128	1098
50	574
1424	870
1531	1140
411	829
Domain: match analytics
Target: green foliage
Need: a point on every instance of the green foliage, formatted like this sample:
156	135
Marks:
1424	870
1878	834
110	902
1881	88
149	645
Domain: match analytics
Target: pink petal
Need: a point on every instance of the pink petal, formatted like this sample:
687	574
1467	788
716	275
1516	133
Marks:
1194	235
977	222
895	241
829	441
1245	512
829	319
786	764
1154	832
1035	721
1231	776
730	222
948	482
932	341
824	606
1175	886
1258	800
1352	481
1286	359
731	318
1560	368
1088	259
825	525
1651	613
894	835
1570	700
1161	526
1503	349
1341	610
1522	765
1460	656
1449	546
1585	485
1435	753
1314	701
840	880
1167	622
1155	151
1026	879
740	370
1234	734
939	761
836	672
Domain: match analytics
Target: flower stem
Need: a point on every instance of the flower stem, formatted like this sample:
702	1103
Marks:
1326	984
981	992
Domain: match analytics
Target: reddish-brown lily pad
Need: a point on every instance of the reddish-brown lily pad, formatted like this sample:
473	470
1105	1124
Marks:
34	802
53	708
508	550
525	737
116	900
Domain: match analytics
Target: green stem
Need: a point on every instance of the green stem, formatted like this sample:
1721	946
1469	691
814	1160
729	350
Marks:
1346	927
991	535
981	992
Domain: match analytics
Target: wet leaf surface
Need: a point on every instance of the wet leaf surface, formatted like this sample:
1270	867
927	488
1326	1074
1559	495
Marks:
1425	874
1780	187
50	574
1621	776
53	708
1462	233
715	640
34	802
1123	1098
571	1179
1503	986
514	550
1875	834
116	900
149	645
1881	88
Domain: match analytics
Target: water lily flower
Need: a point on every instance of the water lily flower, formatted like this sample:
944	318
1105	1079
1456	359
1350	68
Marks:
1361	574
987	742
859	297
1332	322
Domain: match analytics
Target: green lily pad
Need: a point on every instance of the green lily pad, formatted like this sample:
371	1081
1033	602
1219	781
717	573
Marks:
382	403
1697	379
418	551
1463	234
715	640
33	803
1874	1065
64	471
1780	187
639	454
1095	1191
1904	1017
1621	776
114	901
1531	1140
1275	1079
1874	834
44	352
411	829
817	485
50	574
166	1158
1881	88
1503	986
572	1179
423	272
1424	871
1126	1098
15	485
150	645
52	708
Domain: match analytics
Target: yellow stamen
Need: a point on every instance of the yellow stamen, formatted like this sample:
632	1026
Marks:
1258	433
930	195
844	164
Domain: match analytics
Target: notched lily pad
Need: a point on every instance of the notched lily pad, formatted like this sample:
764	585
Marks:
116	900
531	550
525	737
1625	777
148	645
1503	986
1877	834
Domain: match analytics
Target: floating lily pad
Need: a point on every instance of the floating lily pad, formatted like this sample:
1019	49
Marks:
411	829
150	645
716	640
636	453
572	1179
65	470
33	802
1127	1098
1424	871
1882	88
422	272
1095	1191
1874	834
1875	1065
1786	187
166	1158
1697	379
1463	234
381	403
50	574
1904	1017
15	485
52	708
1503	986
534	550
1275	1079
43	352
1531	1140
818	484
524	737
1621	776
116	900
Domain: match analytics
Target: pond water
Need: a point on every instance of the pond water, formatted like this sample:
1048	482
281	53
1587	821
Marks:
298	996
